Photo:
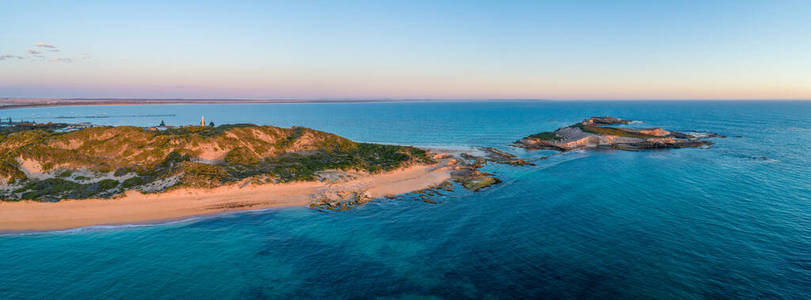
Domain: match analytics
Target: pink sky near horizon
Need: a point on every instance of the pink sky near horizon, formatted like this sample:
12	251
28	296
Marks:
407	50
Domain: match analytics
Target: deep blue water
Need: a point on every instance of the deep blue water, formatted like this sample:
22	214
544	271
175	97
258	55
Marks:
730	221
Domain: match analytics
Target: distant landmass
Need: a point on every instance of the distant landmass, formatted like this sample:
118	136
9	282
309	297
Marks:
6	103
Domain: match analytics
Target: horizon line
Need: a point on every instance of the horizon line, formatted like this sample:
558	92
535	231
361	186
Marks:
384	99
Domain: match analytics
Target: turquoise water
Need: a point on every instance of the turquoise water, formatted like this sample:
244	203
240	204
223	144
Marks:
731	221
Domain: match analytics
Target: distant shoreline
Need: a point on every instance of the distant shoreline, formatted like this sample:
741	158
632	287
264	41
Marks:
11	103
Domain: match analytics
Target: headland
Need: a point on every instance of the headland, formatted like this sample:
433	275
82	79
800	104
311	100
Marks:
55	176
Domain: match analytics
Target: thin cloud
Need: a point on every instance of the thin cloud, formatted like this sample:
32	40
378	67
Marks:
62	60
48	46
10	56
32	51
45	45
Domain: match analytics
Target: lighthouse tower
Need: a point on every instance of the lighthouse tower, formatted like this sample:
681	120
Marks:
202	121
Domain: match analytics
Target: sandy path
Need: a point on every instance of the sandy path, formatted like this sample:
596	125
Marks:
135	207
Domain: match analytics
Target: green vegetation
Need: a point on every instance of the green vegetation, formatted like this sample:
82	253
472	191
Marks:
241	155
132	182
245	151
54	189
123	171
546	136
107	184
9	170
598	130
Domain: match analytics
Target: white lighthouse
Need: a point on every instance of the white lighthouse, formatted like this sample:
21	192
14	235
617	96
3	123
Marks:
202	121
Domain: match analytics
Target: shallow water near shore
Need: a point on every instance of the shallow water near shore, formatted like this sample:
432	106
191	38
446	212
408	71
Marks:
732	220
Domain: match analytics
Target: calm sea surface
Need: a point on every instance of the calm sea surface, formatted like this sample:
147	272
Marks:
731	221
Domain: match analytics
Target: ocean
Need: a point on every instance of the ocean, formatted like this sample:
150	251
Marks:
729	221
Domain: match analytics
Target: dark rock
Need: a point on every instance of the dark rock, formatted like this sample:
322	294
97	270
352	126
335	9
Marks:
605	120
501	157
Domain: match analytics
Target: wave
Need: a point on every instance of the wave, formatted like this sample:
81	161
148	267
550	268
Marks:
98	228
168	222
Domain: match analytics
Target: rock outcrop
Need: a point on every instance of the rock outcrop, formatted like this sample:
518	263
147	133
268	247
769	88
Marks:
597	133
606	120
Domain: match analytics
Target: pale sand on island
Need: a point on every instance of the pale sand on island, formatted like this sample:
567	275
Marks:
135	207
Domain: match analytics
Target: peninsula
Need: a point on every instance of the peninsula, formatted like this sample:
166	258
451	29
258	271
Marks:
59	176
603	133
55	179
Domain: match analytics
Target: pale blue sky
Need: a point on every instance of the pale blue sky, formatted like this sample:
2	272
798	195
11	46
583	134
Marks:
408	49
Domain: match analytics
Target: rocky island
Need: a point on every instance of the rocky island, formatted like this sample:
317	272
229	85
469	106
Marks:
52	178
603	133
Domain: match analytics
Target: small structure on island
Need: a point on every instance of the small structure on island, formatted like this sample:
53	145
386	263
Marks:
163	124
202	121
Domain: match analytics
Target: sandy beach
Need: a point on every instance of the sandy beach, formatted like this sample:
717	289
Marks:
135	207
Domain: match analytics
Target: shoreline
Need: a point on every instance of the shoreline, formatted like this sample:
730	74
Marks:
138	208
35	103
52	102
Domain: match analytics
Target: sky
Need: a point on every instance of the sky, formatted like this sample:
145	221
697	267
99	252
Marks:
406	49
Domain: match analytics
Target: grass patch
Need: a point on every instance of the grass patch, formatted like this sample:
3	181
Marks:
598	130
54	189
546	136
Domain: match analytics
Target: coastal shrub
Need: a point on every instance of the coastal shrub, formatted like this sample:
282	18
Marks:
165	167
546	136
241	155
50	189
123	171
9	170
375	157
203	175
107	184
298	167
611	131
132	182
54	189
